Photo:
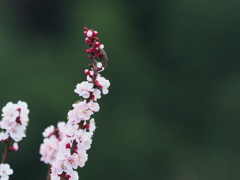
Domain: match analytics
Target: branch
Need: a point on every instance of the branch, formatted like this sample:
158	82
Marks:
7	149
95	52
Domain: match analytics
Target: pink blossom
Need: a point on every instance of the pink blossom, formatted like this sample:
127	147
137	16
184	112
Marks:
5	171
84	89
83	112
48	131
71	161
49	149
94	106
3	136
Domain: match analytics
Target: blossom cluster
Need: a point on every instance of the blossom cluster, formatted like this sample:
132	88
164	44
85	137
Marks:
49	147
65	158
14	122
65	147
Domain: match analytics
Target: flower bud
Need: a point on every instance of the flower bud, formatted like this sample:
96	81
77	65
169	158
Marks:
89	33
95	33
14	146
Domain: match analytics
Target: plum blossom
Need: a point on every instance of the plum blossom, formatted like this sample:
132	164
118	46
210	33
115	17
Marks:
49	149
92	126
94	106
101	82
17	132
72	117
50	146
10	112
83	110
7	124
82	158
48	131
71	161
3	136
5	171
104	84
84	89
58	168
96	94
71	175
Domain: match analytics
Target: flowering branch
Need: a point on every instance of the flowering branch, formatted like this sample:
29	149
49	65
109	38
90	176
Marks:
81	124
64	147
14	121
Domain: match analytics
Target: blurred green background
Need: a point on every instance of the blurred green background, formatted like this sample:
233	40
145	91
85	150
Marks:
173	108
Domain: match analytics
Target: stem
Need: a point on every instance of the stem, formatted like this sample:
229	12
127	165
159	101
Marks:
95	71
74	145
63	176
49	172
7	149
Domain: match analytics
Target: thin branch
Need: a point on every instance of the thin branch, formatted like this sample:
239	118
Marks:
49	172
95	72
7	149
63	176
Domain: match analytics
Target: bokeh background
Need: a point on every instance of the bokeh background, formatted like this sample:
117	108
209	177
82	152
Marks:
173	108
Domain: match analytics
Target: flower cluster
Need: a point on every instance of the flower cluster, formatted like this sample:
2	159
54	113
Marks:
65	147
14	122
49	147
68	159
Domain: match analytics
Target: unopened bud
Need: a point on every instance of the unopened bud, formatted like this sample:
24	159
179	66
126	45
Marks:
95	33
14	147
89	33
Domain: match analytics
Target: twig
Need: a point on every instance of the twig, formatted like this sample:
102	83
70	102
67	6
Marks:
7	149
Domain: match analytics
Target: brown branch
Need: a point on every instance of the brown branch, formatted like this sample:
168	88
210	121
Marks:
63	175
7	149
49	172
95	72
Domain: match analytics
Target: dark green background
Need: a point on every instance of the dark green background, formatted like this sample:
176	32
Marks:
173	108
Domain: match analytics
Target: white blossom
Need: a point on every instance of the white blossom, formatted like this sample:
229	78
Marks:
104	83
3	136
94	106
49	149
5	171
84	89
48	131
